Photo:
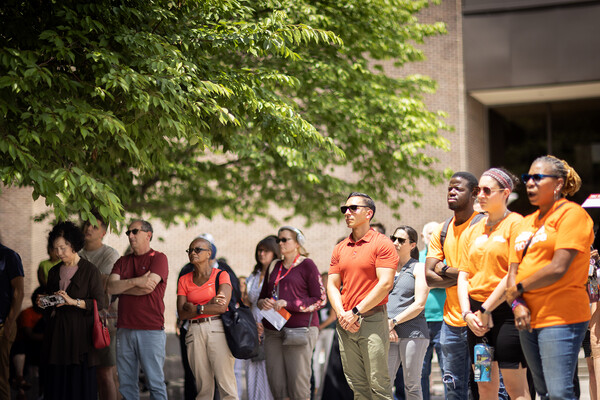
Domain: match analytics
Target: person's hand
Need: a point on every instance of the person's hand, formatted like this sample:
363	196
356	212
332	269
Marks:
189	307
279	304
38	300
68	300
522	317
349	321
145	282
266	304
393	336
219	300
475	325
391	325
438	268
511	294
595	255
486	319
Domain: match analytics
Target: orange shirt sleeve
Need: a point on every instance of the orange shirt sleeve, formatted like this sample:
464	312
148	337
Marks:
573	230
435	245
387	257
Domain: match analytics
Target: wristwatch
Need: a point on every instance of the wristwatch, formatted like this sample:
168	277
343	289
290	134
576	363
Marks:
356	312
199	309
484	311
394	321
520	288
444	269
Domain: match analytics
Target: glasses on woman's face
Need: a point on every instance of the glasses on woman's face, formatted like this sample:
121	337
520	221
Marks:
398	239
487	191
283	240
536	177
196	250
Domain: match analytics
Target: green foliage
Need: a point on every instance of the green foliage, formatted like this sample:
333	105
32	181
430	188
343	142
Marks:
180	109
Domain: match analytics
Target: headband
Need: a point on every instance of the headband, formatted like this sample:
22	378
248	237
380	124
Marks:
501	177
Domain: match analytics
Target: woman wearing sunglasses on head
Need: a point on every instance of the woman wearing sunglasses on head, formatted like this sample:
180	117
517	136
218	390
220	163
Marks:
409	335
295	284
482	282
549	264
200	302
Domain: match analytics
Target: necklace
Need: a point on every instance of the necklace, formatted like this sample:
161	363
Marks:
491	225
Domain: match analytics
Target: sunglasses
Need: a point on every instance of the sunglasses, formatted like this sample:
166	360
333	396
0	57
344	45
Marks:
399	239
487	191
196	250
536	177
352	208
134	231
283	240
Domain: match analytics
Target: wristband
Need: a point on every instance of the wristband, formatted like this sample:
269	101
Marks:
77	303
483	310
520	288
465	313
518	301
444	269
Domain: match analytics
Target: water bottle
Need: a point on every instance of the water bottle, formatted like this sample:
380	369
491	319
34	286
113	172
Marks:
483	362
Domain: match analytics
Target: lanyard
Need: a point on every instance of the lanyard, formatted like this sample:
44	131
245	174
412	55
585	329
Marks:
279	277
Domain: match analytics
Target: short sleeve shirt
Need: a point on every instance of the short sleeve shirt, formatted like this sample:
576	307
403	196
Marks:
452	253
485	254
357	262
144	312
565	226
201	294
11	267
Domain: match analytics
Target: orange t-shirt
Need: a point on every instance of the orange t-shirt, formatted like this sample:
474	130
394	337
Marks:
452	253
568	227
356	263
485	255
201	294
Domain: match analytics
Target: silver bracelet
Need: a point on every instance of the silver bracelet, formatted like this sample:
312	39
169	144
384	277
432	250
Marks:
77	303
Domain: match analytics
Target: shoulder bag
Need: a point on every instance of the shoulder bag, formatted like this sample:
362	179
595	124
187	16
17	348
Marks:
296	336
240	329
100	334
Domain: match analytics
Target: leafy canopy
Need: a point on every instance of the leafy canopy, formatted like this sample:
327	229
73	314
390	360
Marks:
188	108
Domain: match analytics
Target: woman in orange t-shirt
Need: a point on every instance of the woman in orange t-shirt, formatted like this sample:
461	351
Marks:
482	282
200	302
548	271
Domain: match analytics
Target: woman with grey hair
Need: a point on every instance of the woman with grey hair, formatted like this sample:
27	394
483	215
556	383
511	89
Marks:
294	288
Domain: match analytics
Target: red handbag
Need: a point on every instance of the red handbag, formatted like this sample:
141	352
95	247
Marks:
100	334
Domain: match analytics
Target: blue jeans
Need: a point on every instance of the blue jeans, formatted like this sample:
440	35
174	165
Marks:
455	361
551	355
135	347
434	343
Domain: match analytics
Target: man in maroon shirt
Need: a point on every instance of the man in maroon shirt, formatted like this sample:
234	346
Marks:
140	280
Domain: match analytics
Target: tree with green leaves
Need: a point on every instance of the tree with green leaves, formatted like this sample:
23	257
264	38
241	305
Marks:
182	108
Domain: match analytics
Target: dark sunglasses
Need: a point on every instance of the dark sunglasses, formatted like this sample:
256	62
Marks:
487	191
536	177
283	240
196	250
352	208
134	231
399	239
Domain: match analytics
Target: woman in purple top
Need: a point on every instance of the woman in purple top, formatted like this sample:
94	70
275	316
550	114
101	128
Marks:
295	284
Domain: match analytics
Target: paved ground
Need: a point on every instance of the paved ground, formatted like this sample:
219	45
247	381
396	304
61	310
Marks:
174	376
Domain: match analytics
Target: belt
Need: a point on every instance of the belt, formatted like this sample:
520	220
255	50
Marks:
373	310
201	320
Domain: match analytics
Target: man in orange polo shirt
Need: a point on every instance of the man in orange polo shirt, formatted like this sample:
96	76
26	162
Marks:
462	192
363	265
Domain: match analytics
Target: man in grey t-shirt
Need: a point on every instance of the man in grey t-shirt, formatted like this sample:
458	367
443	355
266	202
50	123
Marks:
103	257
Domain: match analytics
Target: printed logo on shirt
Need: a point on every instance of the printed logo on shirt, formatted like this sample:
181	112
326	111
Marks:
481	240
499	239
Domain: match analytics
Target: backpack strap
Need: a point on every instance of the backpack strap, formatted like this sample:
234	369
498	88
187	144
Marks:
444	232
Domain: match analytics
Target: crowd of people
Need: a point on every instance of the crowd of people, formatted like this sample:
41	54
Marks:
367	329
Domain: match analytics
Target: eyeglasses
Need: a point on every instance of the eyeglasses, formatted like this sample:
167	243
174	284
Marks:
134	231
283	240
487	191
536	177
353	208
196	250
399	239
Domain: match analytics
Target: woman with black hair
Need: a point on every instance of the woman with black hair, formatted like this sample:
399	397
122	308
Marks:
267	251
68	352
409	335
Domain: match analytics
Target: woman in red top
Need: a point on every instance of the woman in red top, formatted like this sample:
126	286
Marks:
199	301
548	271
